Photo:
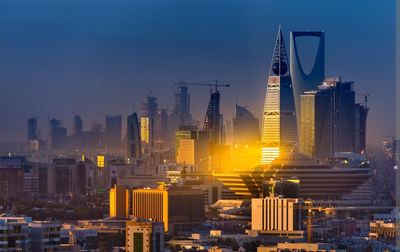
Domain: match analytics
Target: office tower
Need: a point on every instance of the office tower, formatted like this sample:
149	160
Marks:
144	236
279	131
183	135
149	111
119	202
301	80
213	119
361	112
113	131
45	235
11	177
58	134
133	137
145	129
32	130
163	127
15	234
78	125
276	216
328	119
165	205
67	178
186	152
245	127
181	114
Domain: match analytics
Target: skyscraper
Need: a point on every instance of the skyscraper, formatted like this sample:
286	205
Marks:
133	137
113	130
149	111
245	127
58	134
213	119
181	113
279	131
301	80
78	125
32	131
328	120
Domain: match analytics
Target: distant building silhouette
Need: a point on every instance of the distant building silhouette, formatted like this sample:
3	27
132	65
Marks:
58	134
133	137
213	121
78	125
245	126
32	129
113	131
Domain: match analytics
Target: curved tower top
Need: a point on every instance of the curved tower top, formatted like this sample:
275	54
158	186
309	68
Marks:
301	81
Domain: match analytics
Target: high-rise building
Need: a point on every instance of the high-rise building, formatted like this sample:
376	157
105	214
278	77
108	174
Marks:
58	134
145	129
361	112
246	128
186	152
279	131
213	122
181	114
119	202
113	130
149	111
301	80
144	236
11	177
328	120
276	215
133	137
32	130
78	125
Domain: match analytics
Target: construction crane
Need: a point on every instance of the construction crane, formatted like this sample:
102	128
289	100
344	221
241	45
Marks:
211	85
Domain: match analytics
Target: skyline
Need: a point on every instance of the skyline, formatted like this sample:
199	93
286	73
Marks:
84	59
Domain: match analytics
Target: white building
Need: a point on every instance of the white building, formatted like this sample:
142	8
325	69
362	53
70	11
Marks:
144	236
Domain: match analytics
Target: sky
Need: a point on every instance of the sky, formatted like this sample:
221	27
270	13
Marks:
59	57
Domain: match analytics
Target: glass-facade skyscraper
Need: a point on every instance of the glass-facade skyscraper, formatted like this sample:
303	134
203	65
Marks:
279	129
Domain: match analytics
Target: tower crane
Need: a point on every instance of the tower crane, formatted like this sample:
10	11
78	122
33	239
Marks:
211	85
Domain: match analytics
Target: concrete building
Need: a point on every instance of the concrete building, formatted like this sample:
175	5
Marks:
14	234
119	202
144	236
113	131
12	176
165	205
186	153
45	235
294	247
276	216
134	149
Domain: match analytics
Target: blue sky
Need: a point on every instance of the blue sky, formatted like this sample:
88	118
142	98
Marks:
102	57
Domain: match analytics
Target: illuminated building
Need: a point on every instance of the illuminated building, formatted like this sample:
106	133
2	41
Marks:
133	137
295	247
186	152
145	129
119	202
144	236
149	111
279	130
348	185
301	80
165	205
45	235
113	131
100	161
276	216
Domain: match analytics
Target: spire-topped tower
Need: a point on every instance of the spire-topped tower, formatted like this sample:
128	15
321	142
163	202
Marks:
280	62
279	132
